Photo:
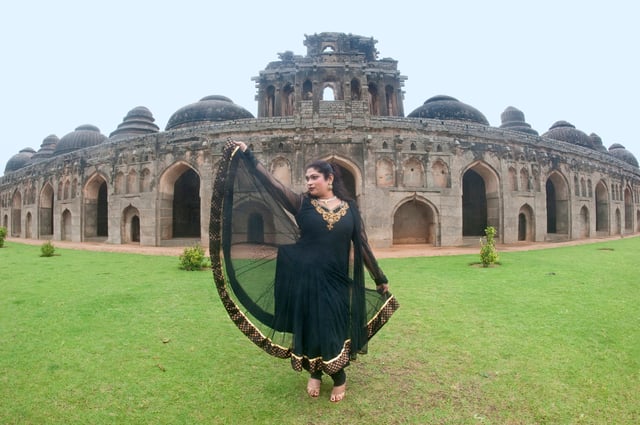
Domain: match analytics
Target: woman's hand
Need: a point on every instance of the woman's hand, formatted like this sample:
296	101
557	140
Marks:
241	145
382	288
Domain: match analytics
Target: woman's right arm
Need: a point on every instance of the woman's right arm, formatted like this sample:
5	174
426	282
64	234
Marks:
290	200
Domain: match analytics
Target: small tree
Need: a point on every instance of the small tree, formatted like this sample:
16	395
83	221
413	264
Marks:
47	249
488	253
3	235
193	258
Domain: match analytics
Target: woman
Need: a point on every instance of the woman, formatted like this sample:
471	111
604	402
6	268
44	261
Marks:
328	313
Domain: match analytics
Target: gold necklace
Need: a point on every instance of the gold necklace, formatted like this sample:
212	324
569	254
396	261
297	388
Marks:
330	217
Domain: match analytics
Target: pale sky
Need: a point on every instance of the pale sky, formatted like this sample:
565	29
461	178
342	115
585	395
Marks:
67	63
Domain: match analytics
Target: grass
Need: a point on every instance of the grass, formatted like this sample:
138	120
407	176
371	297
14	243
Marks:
546	337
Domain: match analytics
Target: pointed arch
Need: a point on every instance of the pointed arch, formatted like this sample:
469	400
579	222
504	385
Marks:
440	174
45	211
602	208
618	222
287	100
281	170
130	225
525	181
66	191
329	92
513	179
65	225
374	101
145	180
557	203
480	199
179	197
585	227
628	210
355	89
307	90
416	221
270	102
413	173
132	182
28	222
526	223
351	174
391	101
385	173
96	207
119	183
16	214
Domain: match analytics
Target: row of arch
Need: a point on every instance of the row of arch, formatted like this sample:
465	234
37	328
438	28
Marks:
281	101
415	220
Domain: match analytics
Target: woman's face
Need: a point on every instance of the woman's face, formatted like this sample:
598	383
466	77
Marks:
317	185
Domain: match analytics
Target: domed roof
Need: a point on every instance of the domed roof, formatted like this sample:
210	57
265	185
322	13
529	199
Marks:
82	137
567	132
448	108
513	119
19	160
208	109
623	154
138	121
597	143
46	148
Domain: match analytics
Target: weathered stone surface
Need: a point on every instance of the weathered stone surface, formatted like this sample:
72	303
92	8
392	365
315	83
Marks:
433	180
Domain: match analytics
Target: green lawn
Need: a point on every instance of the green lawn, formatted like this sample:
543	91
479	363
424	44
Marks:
546	337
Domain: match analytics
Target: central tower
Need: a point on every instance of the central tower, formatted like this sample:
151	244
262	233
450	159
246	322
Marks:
339	74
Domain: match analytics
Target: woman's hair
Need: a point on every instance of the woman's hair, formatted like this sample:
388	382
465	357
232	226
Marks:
326	169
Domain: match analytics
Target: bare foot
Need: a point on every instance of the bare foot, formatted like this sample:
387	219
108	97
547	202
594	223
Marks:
313	387
338	393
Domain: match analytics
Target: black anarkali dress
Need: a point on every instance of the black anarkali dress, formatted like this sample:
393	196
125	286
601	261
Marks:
312	305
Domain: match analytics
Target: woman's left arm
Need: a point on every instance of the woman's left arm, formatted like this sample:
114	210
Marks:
370	262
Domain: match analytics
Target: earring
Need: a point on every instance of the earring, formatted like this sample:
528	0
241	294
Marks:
330	186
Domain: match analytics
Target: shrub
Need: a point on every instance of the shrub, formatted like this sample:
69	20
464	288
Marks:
193	258
488	253
3	235
47	249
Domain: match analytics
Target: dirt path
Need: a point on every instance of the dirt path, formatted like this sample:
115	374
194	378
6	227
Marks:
397	251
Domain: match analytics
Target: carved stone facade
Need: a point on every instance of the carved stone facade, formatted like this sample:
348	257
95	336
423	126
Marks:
438	176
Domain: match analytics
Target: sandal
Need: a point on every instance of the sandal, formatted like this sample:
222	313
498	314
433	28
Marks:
338	393
313	387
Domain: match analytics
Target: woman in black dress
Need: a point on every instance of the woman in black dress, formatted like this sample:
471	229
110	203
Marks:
318	298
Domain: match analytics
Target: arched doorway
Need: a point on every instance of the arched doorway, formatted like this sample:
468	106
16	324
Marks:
602	208
186	205
628	211
135	229
45	212
65	226
179	199
557	197
415	222
255	228
480	200
618	224
27	226
350	175
96	208
585	230
253	223
130	225
526	223
16	215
